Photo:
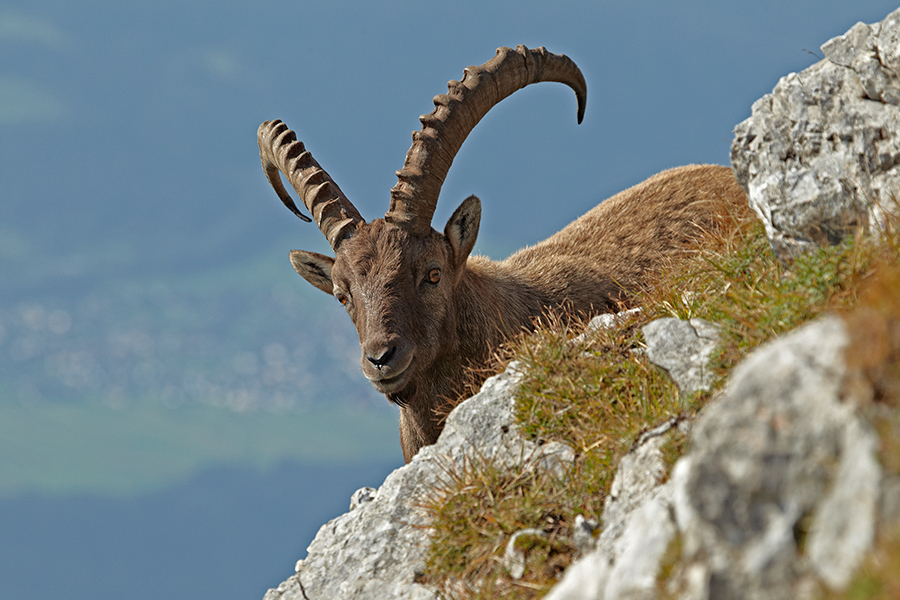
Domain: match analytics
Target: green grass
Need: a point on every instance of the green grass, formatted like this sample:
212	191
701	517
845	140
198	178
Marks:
599	394
755	297
66	449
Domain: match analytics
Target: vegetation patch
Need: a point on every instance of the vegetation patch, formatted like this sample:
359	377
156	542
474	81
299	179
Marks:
754	297
598	392
480	506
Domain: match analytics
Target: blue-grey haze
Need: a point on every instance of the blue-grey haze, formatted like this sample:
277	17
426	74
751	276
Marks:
227	533
143	257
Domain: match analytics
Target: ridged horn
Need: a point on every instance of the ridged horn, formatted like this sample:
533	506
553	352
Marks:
279	150
414	198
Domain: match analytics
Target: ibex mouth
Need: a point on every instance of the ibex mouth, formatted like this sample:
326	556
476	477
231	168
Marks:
391	385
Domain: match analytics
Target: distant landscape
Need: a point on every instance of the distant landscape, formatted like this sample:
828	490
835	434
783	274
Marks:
127	387
178	340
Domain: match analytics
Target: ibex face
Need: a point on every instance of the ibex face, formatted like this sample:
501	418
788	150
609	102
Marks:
398	288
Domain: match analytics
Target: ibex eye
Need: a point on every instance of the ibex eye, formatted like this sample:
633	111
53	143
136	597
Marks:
434	275
343	299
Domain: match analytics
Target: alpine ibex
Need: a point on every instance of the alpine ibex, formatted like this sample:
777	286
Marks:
424	309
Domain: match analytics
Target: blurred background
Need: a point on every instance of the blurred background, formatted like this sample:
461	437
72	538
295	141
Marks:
179	411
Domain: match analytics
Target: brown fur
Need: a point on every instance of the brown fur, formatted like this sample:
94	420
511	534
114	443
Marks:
418	337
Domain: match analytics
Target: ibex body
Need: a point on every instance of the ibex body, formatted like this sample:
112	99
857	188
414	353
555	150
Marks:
425	310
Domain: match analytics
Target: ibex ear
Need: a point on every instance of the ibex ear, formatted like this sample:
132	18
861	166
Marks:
315	268
462	228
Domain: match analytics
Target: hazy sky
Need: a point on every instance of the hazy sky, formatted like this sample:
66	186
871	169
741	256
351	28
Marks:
127	130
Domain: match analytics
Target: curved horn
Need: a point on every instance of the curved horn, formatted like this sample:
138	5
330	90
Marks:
279	150
415	196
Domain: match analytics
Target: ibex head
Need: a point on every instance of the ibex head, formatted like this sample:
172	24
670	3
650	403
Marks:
397	276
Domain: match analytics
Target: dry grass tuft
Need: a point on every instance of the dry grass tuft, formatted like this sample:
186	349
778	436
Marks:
477	507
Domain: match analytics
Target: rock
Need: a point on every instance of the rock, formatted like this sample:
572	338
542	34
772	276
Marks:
843	527
772	453
819	155
640	549
361	496
607	321
377	550
637	528
632	575
488	424
683	348
583	534
513	558
889	502
637	479
781	488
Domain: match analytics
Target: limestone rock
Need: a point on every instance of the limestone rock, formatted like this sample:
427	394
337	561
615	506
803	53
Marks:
361	496
763	462
779	452
637	479
607	321
583	533
819	155
637	527
683	348
843	525
377	550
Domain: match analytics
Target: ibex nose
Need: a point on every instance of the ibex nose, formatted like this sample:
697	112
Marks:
379	361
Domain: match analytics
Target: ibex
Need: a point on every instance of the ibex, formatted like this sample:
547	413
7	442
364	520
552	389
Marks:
427	312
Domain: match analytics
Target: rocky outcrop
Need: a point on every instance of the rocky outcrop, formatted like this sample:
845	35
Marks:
779	494
775	454
820	154
683	348
377	550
